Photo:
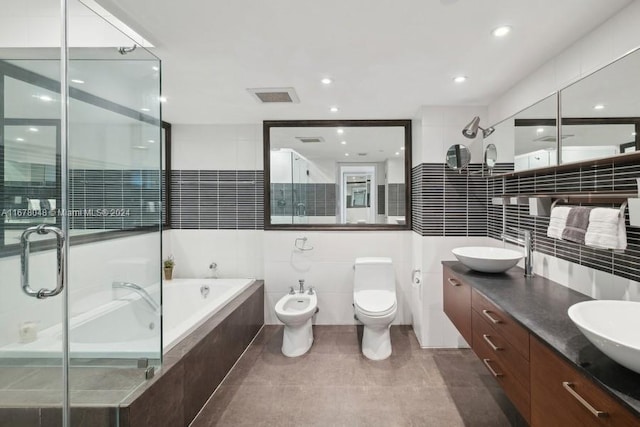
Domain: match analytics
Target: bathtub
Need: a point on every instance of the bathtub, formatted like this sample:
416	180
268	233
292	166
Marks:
128	327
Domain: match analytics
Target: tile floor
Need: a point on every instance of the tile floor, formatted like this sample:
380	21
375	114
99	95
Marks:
334	385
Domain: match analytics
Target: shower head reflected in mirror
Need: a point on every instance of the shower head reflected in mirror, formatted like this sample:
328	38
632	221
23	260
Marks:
471	130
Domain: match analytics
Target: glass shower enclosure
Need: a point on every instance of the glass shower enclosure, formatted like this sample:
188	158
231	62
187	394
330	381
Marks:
80	231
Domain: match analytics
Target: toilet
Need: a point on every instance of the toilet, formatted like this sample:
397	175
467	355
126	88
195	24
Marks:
295	310
375	305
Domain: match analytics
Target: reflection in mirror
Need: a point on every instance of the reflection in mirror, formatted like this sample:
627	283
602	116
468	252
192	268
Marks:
601	114
529	138
338	174
113	150
490	156
458	157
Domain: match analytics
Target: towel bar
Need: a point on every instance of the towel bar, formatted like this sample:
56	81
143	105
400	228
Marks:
623	206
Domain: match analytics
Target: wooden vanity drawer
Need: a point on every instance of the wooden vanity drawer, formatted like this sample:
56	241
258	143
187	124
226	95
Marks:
502	323
457	303
562	396
517	393
501	349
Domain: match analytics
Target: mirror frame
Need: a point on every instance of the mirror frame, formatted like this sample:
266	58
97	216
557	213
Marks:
266	133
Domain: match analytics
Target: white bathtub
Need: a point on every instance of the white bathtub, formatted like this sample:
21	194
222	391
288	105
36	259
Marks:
128	327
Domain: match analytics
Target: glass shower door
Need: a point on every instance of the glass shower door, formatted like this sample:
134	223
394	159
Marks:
31	238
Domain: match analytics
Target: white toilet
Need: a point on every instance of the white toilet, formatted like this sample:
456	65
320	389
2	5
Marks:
295	310
374	301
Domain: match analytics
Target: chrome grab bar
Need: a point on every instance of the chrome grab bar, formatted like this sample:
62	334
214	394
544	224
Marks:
25	245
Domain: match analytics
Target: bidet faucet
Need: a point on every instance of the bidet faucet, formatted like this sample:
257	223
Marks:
301	281
527	242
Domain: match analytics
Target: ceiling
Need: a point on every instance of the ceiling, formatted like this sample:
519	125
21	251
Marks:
386	58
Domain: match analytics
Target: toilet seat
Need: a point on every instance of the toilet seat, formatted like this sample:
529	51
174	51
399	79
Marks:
375	303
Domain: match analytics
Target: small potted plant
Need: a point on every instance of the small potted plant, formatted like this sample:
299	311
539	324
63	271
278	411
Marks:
168	265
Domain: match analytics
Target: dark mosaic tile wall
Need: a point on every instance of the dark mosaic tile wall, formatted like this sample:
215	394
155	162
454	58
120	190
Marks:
381	197
307	199
397	199
212	199
448	203
114	199
592	178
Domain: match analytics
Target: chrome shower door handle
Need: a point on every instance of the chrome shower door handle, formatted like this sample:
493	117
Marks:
24	261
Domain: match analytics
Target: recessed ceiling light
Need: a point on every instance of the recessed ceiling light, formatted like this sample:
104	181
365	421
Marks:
334	109
340	131
634	133
20	139
78	81
151	141
326	81
140	147
397	153
346	154
33	129
145	109
460	79
343	142
162	99
45	98
598	107
154	68
501	31
540	130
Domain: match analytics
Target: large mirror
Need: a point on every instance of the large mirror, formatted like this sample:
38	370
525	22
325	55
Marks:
529	138
601	113
337	174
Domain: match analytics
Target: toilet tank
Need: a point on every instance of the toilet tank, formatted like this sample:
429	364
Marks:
374	274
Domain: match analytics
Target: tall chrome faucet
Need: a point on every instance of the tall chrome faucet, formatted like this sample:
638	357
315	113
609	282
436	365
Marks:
301	282
140	291
527	241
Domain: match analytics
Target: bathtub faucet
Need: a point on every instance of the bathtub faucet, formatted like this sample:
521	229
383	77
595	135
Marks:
140	291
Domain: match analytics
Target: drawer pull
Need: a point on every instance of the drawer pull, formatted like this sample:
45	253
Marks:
494	373
490	317
569	387
492	345
453	282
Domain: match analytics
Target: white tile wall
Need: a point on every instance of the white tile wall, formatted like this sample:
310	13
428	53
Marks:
604	44
238	253
329	268
431	325
217	147
441	127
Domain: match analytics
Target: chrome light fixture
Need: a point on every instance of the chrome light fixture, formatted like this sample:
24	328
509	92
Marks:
471	130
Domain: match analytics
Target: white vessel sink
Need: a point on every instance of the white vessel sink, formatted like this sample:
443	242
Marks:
487	259
612	327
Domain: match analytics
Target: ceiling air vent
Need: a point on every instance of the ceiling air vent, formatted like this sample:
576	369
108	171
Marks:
310	139
269	95
362	154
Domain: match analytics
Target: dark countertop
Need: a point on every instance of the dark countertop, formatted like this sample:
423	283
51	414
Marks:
540	305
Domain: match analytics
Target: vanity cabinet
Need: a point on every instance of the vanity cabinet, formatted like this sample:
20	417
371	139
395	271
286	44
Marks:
546	389
562	396
457	303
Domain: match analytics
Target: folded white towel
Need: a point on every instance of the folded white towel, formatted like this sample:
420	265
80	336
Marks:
606	229
558	221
